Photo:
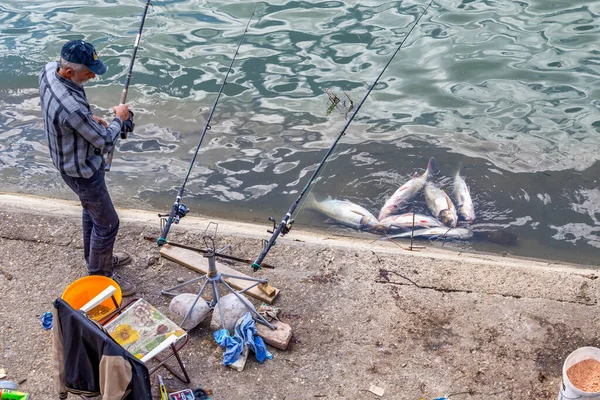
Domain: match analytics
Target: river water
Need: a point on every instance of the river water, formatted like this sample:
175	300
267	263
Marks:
506	91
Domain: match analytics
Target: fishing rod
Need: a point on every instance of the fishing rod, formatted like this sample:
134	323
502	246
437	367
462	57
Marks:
179	210
128	124
286	223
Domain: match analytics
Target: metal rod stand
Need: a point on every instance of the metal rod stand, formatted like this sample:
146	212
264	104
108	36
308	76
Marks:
214	278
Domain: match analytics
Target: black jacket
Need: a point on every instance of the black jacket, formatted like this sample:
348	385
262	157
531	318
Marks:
90	362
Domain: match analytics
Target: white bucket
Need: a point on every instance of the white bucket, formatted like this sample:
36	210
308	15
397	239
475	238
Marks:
567	390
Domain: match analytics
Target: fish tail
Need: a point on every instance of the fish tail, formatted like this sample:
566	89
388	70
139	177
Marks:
311	202
458	170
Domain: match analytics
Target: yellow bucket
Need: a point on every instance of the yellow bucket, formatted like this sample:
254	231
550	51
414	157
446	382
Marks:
80	292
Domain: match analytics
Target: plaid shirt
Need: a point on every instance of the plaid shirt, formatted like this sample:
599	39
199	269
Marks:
76	141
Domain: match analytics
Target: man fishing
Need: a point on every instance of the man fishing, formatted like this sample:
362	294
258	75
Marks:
77	140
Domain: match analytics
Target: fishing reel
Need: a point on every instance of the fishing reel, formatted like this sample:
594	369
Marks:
128	126
180	211
286	228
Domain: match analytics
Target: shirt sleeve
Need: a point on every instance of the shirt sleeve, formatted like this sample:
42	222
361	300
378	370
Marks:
98	136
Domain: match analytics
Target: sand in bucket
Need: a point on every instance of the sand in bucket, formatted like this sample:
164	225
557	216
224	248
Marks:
585	375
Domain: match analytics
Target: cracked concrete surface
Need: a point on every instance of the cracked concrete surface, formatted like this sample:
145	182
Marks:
419	325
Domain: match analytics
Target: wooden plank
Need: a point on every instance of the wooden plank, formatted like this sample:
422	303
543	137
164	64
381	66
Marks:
198	263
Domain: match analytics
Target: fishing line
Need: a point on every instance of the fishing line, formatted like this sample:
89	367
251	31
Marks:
179	210
286	223
443	237
128	124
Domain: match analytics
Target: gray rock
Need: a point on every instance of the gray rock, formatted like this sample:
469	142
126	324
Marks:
180	306
240	363
233	309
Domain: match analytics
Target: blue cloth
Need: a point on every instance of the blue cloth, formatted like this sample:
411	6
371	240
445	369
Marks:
100	221
47	320
244	334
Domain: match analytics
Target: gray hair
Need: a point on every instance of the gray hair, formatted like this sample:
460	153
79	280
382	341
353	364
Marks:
64	64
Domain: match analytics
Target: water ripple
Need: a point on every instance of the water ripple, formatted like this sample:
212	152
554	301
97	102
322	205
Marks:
507	89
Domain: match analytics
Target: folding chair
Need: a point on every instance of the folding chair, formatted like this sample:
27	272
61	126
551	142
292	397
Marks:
109	356
144	331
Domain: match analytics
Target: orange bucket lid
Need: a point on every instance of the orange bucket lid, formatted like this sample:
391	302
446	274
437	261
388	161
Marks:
81	291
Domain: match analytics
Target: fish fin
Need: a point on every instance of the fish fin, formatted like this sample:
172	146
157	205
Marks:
431	167
404	228
358	213
448	201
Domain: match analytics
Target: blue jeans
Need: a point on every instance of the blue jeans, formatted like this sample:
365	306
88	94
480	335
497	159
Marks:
100	221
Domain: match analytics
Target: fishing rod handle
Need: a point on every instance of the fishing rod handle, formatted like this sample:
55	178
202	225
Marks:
123	96
109	158
284	223
257	263
122	103
163	236
111	153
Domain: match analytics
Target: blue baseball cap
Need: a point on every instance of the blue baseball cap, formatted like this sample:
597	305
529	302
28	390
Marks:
80	52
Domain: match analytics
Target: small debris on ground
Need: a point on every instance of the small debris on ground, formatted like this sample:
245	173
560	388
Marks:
6	274
240	363
269	312
376	390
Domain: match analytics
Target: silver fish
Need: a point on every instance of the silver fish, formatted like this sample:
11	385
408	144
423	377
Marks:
441	231
404	222
343	212
462	194
406	192
440	205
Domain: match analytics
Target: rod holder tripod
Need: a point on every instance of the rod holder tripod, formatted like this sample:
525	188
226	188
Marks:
213	278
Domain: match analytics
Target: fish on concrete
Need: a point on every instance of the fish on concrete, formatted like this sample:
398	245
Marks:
406	192
343	212
404	222
441	232
440	205
462	194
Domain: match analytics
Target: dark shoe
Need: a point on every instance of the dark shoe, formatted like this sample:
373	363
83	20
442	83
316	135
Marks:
127	288
120	259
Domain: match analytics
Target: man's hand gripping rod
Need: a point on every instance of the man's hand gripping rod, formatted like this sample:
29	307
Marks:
128	124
